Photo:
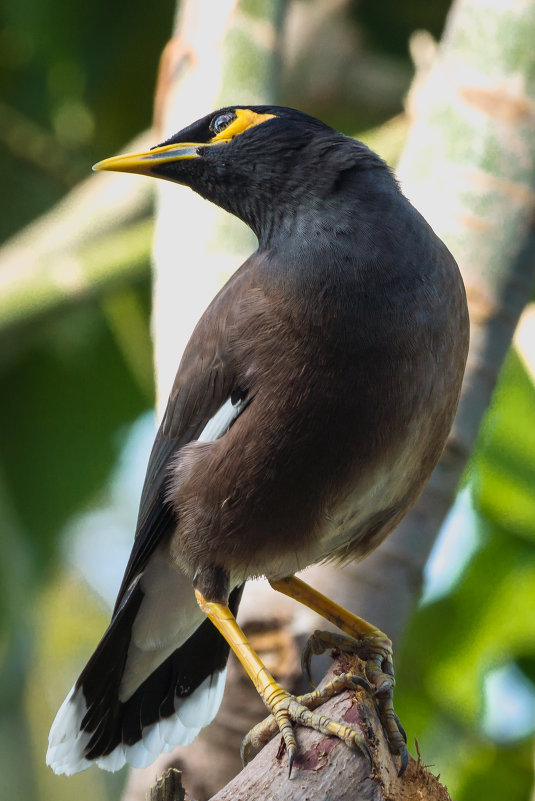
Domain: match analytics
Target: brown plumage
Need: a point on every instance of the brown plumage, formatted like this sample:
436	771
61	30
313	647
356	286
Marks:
310	407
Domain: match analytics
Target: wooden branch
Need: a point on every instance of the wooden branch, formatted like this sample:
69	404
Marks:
168	788
326	768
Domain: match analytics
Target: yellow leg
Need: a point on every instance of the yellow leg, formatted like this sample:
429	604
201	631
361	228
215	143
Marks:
374	644
284	707
346	621
371	644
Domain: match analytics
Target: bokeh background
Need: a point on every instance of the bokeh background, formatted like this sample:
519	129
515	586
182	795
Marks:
77	397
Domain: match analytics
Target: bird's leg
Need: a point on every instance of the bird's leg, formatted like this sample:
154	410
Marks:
367	641
285	708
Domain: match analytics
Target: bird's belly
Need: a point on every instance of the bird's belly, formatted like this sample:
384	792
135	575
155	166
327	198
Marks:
375	505
353	529
366	513
361	521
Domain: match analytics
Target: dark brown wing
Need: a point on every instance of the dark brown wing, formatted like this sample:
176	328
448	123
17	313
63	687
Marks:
205	380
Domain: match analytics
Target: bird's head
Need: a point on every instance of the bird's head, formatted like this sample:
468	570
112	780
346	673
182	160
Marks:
252	161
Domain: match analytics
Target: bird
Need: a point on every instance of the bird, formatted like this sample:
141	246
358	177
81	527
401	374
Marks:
310	407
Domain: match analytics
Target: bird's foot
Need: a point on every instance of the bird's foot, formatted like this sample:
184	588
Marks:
287	709
375	649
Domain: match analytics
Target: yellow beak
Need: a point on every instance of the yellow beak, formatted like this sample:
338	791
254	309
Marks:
143	163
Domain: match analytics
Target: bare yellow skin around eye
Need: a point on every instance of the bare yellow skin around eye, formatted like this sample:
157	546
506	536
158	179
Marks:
245	119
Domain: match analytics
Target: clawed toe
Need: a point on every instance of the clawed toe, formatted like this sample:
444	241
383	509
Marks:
321	641
288	710
257	737
376	650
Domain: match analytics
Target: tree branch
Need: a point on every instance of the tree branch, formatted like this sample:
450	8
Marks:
326	767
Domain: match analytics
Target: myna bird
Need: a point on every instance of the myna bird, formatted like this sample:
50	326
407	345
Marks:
310	407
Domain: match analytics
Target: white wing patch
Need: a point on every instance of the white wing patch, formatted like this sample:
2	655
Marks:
66	743
220	423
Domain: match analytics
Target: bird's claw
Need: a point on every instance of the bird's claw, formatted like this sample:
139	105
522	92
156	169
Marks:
289	709
376	650
321	641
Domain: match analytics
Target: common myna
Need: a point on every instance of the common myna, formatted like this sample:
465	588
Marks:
309	409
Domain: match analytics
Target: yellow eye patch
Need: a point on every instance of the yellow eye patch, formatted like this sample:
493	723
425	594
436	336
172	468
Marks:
245	119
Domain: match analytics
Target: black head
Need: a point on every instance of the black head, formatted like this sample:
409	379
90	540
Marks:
257	162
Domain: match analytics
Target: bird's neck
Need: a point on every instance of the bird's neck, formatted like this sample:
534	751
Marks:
312	225
324	212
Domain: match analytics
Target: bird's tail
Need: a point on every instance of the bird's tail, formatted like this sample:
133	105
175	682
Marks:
97	724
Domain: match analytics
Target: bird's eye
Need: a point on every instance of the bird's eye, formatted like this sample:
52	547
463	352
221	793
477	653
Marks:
220	122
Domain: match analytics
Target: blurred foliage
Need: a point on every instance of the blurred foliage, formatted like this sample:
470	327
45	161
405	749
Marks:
65	406
76	82
389	25
63	67
72	392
